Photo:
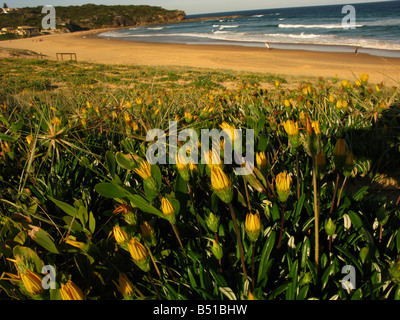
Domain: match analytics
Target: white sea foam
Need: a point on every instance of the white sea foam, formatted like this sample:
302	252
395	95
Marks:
313	26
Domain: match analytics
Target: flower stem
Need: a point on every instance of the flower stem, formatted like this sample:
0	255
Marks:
316	215
298	175
333	205
152	259
253	248
241	251
177	235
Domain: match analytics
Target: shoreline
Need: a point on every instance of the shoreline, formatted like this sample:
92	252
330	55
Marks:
290	62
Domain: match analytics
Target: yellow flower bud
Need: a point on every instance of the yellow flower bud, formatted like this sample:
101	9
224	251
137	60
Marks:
72	242
230	130
364	78
120	235
166	207
253	225
137	250
315	126
32	282
70	291
261	160
125	287
219	179
144	170
283	182
221	184
291	128
340	148
147	230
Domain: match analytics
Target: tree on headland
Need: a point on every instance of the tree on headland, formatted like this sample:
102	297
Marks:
5	6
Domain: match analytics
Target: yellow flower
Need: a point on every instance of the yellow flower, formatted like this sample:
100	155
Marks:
32	282
221	184
230	130
72	242
166	207
315	125
144	170
287	103
213	157
261	160
181	163
135	126
340	148
331	98
137	250
192	166
127	117
70	291
253	225
364	78
349	159
56	121
188	116
283	182
29	139
120	235
139	101
125	287
114	115
219	179
291	127
5	147
147	230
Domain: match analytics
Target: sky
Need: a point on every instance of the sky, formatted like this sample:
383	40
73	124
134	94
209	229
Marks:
189	6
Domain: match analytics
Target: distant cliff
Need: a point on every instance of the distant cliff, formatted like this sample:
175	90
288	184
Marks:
90	16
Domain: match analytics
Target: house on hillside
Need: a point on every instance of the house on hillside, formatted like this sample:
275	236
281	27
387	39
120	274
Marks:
27	30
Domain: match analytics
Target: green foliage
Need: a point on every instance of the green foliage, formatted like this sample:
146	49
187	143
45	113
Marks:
73	136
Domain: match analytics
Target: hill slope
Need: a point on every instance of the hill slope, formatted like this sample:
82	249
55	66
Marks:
92	16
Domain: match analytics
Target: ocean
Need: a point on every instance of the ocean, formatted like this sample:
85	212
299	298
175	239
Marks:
374	28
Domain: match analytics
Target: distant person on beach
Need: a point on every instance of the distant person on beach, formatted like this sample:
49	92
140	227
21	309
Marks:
267	45
356	50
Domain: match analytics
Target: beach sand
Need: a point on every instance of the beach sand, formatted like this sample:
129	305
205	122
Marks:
291	63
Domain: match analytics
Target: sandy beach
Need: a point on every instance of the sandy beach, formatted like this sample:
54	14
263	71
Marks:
294	63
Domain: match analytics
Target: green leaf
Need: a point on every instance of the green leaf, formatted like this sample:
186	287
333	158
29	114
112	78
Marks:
266	252
42	238
8	138
29	257
293	274
156	174
305	252
359	195
68	209
92	222
355	219
144	205
350	257
125	161
110	160
110	190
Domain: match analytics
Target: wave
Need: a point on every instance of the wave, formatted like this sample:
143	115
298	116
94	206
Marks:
258	16
314	26
246	37
228	26
155	28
